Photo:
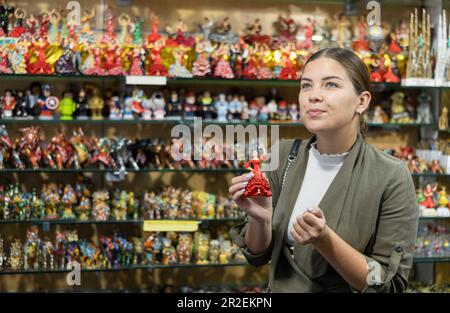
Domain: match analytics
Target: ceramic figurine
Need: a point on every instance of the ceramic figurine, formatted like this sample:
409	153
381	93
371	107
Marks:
67	106
424	115
258	185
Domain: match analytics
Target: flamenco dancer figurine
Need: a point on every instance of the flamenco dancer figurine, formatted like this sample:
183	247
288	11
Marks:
258	186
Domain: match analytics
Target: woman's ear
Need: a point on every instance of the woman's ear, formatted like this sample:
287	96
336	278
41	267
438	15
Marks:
364	101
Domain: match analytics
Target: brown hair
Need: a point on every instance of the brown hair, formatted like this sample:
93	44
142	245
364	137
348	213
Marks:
356	70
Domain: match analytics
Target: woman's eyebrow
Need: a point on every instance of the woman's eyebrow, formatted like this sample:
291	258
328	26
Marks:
325	78
331	77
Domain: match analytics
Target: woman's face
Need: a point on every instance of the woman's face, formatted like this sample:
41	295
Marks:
327	98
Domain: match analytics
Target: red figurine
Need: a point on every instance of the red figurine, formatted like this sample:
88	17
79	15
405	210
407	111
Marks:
96	68
154	36
428	193
117	68
258	186
40	66
136	63
62	151
157	68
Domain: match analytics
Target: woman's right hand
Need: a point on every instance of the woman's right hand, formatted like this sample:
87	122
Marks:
259	208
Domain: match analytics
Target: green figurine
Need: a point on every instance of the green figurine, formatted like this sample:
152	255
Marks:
67	106
137	30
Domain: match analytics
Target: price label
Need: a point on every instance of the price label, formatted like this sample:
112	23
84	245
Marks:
167	225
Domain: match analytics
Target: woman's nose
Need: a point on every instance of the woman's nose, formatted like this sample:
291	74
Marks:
315	98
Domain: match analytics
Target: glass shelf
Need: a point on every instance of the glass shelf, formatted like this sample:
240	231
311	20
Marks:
132	267
431	259
144	170
130	221
189	122
205	81
431	218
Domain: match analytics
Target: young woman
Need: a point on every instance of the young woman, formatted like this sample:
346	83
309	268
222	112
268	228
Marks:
346	216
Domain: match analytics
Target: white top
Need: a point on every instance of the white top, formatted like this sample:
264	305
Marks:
320	172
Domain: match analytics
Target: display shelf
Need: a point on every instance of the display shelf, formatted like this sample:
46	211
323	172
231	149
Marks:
432	218
131	170
130	221
206	81
133	267
188	122
431	259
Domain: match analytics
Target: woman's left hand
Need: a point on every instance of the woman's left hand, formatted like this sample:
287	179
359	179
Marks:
310	227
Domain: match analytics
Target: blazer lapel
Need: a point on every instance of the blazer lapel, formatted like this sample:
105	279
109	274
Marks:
289	193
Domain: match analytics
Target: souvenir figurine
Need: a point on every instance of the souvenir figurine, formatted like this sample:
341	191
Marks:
201	243
443	119
174	107
189	105
80	150
119	205
67	106
214	251
61	149
222	107
96	104
82	106
134	103
65	64
73	250
258	184
8	104
5	66
154	36
379	116
100	152
225	252
136	29
289	72
156	67
6	11
443	201
169	252
15	261
201	66
436	168
86	33
234	108
293	112
84	208
136	61
47	103
109	36
272	107
31	250
120	152
96	68
178	69
360	44
17	59
158	105
398	112
124	22
429	203
27	144
152	248
223	68
101	209
184	248
41	65
288	28
22	107
51	197
424	115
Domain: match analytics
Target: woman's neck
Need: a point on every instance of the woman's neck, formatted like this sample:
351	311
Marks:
336	142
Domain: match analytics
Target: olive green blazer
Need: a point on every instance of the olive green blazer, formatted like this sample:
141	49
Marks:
371	204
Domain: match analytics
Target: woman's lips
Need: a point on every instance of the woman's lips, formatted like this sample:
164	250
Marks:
314	112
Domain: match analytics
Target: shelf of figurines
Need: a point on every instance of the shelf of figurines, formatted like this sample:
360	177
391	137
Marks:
191	122
147	80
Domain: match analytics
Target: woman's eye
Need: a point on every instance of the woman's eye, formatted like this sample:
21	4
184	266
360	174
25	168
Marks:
305	85
331	84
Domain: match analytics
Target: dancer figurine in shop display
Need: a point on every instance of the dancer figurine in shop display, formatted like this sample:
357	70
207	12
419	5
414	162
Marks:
258	186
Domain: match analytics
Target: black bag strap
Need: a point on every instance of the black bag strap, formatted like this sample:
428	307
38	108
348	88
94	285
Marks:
292	156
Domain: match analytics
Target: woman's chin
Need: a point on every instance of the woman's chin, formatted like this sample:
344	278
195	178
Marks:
316	126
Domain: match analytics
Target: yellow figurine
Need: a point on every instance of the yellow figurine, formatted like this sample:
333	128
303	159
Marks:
443	119
96	104
398	112
443	201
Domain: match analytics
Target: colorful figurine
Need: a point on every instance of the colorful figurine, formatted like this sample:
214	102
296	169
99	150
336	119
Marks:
424	115
47	103
398	112
258	185
443	209
67	106
8	104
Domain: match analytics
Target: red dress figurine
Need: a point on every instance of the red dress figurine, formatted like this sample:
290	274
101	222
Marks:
258	186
